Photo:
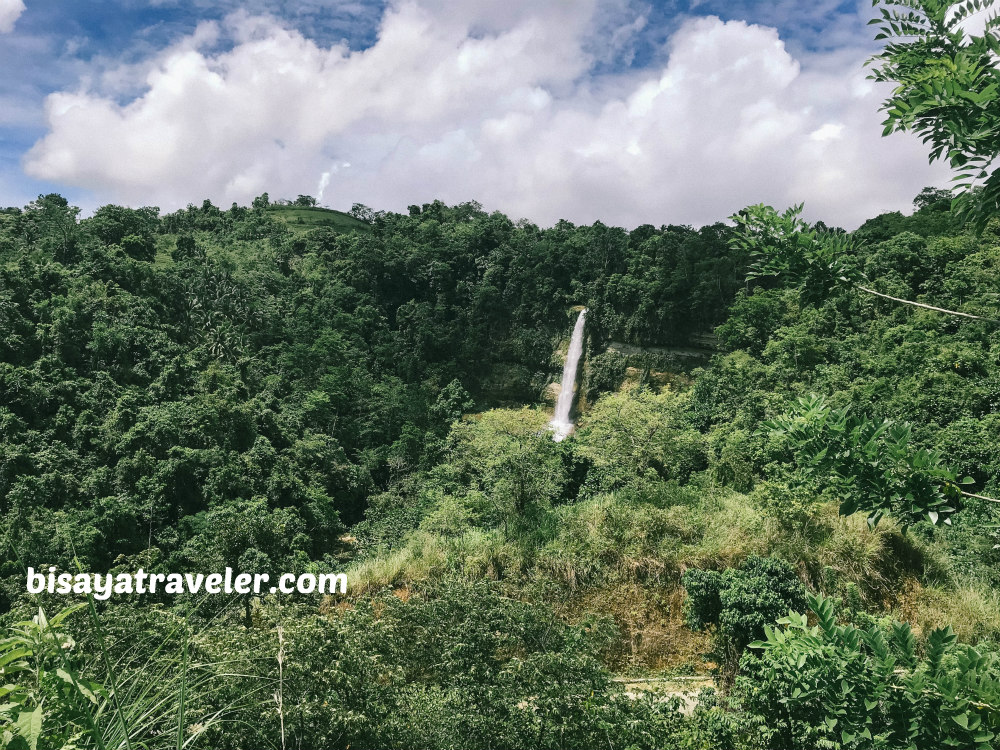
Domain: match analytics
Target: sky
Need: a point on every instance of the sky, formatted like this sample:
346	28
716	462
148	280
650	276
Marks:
622	111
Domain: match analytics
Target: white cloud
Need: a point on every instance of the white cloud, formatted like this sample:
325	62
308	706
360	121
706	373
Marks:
493	102
10	11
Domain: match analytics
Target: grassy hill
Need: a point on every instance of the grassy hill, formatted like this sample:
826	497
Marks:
313	217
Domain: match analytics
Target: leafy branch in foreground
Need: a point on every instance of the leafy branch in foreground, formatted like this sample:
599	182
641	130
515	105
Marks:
44	697
839	686
817	261
948	90
870	466
785	245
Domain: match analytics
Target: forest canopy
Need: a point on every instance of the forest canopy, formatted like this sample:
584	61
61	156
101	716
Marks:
228	388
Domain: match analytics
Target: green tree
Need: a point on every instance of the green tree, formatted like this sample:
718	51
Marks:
937	199
741	602
54	222
947	90
638	436
132	229
513	461
817	262
840	686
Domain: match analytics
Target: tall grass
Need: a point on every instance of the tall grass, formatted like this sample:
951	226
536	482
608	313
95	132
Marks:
972	611
150	695
141	696
422	557
162	696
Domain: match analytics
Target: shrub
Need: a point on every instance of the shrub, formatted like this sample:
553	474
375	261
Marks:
740	602
703	602
839	686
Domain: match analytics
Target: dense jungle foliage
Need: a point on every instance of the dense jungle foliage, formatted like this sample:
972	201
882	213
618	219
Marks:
222	388
774	528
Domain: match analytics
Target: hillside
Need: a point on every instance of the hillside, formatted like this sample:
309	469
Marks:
266	398
304	218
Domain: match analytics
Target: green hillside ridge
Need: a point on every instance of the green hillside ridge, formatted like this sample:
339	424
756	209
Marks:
312	217
210	389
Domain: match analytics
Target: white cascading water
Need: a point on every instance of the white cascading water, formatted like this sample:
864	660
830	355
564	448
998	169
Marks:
561	424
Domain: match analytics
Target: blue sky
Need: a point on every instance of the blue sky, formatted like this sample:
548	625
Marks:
619	110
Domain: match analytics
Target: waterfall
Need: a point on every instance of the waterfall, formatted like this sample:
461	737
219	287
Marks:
561	423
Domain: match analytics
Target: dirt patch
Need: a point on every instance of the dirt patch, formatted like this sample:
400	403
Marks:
685	689
650	621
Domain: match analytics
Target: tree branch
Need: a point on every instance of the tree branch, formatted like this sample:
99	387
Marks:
927	307
979	497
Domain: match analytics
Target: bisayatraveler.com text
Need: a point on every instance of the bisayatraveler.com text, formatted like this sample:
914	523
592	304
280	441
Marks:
103	585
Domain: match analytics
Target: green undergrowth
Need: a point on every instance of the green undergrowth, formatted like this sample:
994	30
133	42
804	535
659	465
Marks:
607	515
312	217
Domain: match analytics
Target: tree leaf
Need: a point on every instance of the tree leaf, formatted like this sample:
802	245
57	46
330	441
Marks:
29	726
75	683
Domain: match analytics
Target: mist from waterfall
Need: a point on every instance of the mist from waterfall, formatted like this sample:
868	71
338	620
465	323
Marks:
561	424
